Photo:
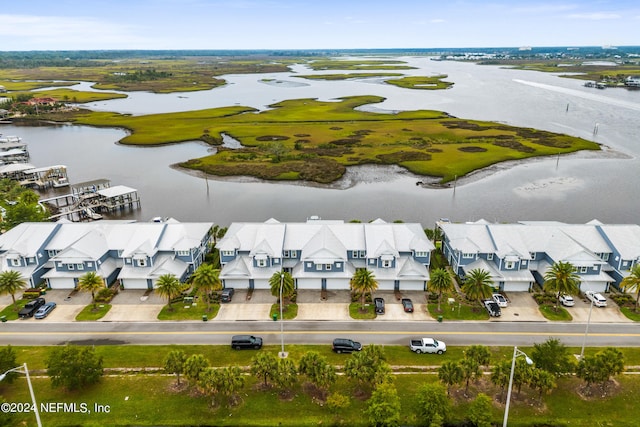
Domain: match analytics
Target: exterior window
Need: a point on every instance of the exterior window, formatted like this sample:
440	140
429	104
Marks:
363	254
386	263
51	253
584	269
89	264
464	255
15	262
338	264
421	254
509	265
532	255
294	254
318	266
327	267
228	253
489	257
80	266
142	263
605	257
286	254
71	266
262	263
184	253
372	261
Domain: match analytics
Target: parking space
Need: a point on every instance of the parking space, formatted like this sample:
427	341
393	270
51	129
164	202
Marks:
323	311
242	311
521	308
609	314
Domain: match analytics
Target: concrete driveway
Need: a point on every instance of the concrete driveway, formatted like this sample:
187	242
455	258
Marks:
134	305
521	308
609	314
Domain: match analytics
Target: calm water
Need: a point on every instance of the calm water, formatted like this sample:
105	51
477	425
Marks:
576	188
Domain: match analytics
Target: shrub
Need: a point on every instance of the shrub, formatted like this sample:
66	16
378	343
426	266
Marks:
33	293
105	295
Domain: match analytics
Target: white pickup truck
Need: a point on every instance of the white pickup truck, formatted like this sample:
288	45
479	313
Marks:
427	345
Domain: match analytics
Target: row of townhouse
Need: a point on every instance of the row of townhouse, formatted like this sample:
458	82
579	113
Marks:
324	254
518	255
133	253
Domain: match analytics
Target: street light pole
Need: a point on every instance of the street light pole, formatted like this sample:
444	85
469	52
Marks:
516	353
33	396
282	353
586	331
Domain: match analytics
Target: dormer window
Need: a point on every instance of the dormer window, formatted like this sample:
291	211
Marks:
142	262
584	269
261	262
532	255
386	263
489	257
509	265
15	262
228	253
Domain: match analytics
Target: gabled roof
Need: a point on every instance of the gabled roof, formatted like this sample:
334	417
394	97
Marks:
324	246
27	238
411	268
88	247
625	238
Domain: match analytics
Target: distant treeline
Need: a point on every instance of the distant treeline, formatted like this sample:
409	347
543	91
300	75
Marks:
86	58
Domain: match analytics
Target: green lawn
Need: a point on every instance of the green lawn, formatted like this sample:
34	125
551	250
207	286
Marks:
89	313
11	311
550	312
187	311
356	312
631	313
289	311
457	311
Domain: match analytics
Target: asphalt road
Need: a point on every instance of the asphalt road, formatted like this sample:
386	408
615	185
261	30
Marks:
313	332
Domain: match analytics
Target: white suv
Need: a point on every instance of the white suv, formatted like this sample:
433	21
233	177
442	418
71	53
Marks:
597	299
567	300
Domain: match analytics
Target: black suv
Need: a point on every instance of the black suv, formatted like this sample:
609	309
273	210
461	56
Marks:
379	304
492	308
241	342
344	345
227	295
31	307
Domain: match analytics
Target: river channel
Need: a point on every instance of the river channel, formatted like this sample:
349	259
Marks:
572	188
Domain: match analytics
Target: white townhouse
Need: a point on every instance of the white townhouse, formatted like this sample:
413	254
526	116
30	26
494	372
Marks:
324	254
518	255
133	253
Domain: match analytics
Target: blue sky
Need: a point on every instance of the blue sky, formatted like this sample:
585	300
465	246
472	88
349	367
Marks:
317	24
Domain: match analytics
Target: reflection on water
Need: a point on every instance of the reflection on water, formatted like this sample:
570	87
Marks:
575	188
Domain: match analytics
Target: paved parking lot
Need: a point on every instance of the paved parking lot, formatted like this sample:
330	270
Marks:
140	305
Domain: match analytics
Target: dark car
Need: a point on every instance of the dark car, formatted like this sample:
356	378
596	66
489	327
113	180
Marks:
407	305
31	307
241	342
379	305
45	310
227	295
345	345
492	308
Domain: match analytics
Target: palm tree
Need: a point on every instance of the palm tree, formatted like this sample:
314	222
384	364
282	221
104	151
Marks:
363	282
169	286
440	282
450	373
561	279
288	286
477	284
632	283
11	281
91	282
206	279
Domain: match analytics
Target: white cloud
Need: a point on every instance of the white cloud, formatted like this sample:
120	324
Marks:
437	21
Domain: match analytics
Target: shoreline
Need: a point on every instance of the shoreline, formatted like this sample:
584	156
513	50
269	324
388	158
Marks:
386	173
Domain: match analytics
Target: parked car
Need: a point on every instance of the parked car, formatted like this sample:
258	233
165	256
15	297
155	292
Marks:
241	342
31	307
567	300
500	300
45	310
379	305
492	308
407	305
427	345
598	300
227	295
345	345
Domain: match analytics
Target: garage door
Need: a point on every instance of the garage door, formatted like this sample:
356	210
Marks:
308	283
135	283
60	283
236	283
516	286
338	284
594	286
386	285
261	284
412	285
